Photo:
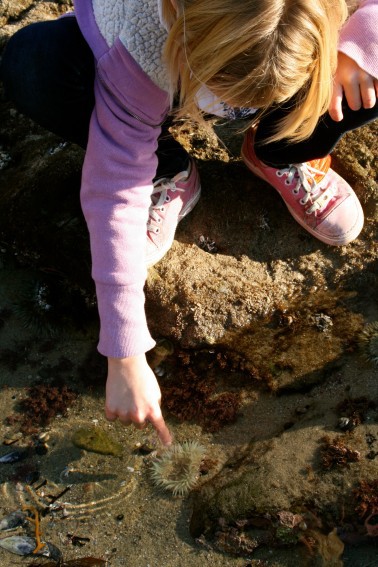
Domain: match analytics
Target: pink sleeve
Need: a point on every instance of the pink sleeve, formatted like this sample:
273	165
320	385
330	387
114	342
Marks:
359	37
119	166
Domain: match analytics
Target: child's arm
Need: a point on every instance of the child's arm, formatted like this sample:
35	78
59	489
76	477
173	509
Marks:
119	166
357	71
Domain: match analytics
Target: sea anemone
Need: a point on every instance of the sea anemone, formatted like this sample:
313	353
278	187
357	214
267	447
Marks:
177	469
368	340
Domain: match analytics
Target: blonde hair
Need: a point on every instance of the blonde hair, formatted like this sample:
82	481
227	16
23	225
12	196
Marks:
256	53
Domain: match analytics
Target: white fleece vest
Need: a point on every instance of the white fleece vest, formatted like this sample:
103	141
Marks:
137	24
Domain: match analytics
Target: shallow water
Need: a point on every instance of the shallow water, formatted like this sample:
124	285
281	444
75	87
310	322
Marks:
111	502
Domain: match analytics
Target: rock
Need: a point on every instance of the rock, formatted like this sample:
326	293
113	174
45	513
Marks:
279	483
12	9
15	14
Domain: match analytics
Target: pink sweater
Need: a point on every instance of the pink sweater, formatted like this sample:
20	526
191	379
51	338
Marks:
120	164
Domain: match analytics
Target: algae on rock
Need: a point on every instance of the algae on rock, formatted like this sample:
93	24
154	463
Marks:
96	440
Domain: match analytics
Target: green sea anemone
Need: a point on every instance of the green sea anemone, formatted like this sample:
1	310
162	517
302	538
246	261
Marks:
177	469
368	340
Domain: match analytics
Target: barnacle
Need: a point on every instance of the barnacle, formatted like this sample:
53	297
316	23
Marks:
177	469
368	340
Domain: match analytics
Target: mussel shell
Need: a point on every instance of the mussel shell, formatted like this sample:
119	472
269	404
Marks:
14	519
51	551
14	456
24	545
20	545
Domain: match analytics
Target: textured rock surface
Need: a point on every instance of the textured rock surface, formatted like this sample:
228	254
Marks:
241	272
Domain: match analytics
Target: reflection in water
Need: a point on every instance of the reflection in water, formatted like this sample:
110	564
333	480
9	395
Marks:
80	493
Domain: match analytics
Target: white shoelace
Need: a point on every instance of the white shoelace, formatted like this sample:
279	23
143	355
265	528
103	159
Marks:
319	196
160	197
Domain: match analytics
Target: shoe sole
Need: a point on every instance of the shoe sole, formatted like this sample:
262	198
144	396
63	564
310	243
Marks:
345	239
161	252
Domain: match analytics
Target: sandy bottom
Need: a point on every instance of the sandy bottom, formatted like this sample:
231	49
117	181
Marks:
111	502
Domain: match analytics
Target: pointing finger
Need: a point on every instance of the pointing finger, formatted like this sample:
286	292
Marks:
110	416
335	107
368	93
162	430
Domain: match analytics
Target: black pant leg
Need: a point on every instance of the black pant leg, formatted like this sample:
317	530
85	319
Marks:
319	144
48	72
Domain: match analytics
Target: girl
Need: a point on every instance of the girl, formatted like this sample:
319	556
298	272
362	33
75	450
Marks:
106	77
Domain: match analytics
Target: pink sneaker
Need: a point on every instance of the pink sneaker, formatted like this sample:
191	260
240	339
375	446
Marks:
317	197
172	199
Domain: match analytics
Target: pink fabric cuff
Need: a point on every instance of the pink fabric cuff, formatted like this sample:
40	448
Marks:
359	37
124	330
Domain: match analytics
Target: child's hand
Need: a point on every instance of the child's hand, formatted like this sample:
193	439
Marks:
360	88
133	395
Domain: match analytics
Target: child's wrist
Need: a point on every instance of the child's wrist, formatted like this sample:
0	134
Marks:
125	362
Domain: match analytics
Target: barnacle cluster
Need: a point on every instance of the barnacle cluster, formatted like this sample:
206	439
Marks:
368	341
177	469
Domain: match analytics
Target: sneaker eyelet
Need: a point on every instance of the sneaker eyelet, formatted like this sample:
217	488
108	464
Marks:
159	219
157	230
279	173
302	202
295	191
287	181
162	209
167	198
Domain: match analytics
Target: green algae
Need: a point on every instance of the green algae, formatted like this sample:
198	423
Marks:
96	440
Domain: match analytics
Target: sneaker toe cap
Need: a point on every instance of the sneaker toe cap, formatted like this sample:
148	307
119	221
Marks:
344	222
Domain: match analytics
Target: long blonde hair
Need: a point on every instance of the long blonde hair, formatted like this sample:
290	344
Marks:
256	53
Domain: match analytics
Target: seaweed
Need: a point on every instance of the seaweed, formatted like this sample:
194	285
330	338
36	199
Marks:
366	497
335	453
197	388
43	403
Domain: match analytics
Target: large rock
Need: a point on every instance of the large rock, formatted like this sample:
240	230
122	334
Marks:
242	274
289	492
